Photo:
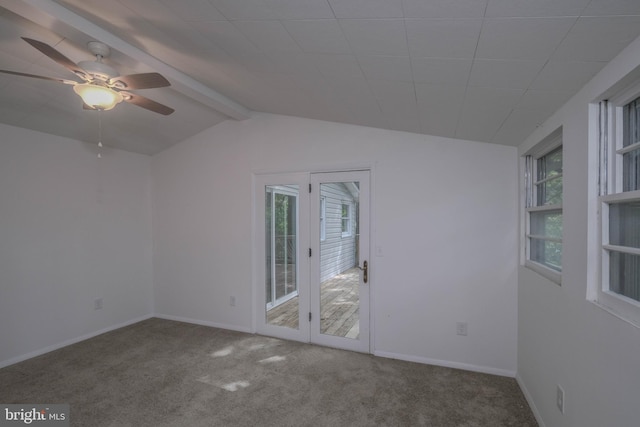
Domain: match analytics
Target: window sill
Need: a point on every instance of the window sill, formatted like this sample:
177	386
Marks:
553	275
614	313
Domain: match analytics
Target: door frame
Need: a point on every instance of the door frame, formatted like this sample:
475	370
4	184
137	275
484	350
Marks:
303	333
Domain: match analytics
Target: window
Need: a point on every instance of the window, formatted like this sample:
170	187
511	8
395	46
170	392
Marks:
619	126
346	220
543	239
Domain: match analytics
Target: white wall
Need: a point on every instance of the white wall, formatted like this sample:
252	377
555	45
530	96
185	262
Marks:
562	338
72	228
444	216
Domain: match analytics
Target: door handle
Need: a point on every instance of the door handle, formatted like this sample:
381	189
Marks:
365	269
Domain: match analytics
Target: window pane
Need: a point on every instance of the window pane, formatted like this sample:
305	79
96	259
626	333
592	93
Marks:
544	232
624	274
549	192
550	164
631	118
547	224
631	171
549	178
546	253
624	224
345	219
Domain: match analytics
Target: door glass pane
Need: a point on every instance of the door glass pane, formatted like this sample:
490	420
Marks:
281	240
339	257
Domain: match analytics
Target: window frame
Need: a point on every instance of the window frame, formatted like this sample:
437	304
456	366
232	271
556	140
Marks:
548	145
348	218
611	191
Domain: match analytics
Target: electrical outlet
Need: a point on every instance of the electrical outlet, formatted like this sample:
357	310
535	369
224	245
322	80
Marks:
97	304
232	301
461	328
560	398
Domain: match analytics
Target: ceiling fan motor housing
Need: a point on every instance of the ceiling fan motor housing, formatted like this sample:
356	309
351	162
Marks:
97	68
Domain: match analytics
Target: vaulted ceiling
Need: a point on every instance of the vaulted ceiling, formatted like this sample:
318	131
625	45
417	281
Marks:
484	70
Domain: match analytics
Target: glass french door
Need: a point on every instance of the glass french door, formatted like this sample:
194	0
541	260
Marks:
339	274
281	212
311	272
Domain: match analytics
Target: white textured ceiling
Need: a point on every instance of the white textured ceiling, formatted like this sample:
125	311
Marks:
484	70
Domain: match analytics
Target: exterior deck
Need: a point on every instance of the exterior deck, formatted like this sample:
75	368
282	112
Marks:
339	303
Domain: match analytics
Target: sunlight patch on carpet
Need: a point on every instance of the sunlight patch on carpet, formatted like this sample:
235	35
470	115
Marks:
233	386
255	347
273	359
224	352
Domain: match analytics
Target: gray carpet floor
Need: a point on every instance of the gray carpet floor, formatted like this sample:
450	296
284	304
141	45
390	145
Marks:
164	373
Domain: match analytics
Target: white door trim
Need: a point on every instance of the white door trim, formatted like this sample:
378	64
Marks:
308	209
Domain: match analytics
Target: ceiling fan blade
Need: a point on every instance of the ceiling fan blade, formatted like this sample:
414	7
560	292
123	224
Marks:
58	57
139	81
147	103
15	73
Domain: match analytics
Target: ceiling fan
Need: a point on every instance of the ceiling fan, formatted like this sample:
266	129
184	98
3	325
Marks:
103	88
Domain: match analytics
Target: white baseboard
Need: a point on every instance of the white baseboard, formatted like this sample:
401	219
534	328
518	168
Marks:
447	364
203	323
59	345
530	401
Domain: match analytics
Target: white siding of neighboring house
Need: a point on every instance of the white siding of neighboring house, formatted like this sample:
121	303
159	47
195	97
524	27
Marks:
337	253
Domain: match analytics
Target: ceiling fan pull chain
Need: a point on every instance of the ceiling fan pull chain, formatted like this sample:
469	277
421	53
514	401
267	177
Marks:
99	132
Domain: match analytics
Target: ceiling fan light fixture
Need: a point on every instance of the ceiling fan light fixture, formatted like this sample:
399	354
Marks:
100	97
